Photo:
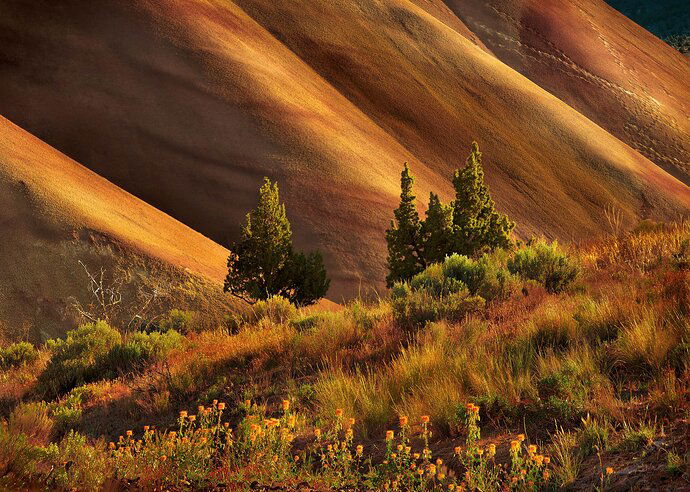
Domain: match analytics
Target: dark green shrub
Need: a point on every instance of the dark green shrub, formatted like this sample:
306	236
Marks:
17	354
263	264
545	263
80	358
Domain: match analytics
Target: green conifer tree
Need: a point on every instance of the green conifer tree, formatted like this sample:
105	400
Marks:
437	231
476	223
405	258
262	262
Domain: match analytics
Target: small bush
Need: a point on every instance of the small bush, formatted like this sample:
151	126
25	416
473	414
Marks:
71	464
486	277
140	349
420	307
435	282
80	358
545	263
276	309
177	320
17	354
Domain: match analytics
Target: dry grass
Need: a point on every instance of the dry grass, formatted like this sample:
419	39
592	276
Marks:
581	363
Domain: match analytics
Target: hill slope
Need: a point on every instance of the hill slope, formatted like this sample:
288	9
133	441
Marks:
599	62
188	104
55	213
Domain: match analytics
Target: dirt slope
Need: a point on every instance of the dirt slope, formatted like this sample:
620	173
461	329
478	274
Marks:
187	104
55	213
598	61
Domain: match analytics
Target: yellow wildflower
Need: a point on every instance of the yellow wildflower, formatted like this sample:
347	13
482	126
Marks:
440	476
492	449
521	437
359	450
458	450
514	445
192	418
415	456
432	469
546	474
163	458
221	406
338	412
183	414
532	448
439	462
389	435
403	421
351	422
609	470
425	419
547	460
129	433
317	433
286	405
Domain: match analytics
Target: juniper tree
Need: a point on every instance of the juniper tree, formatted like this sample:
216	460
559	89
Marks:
262	263
405	258
476	223
437	231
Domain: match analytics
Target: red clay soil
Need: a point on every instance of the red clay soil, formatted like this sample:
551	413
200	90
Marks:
188	104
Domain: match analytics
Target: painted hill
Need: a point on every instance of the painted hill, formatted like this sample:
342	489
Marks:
55	213
599	62
187	104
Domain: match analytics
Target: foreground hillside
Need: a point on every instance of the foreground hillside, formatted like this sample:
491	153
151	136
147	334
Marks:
569	366
188	104
61	222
